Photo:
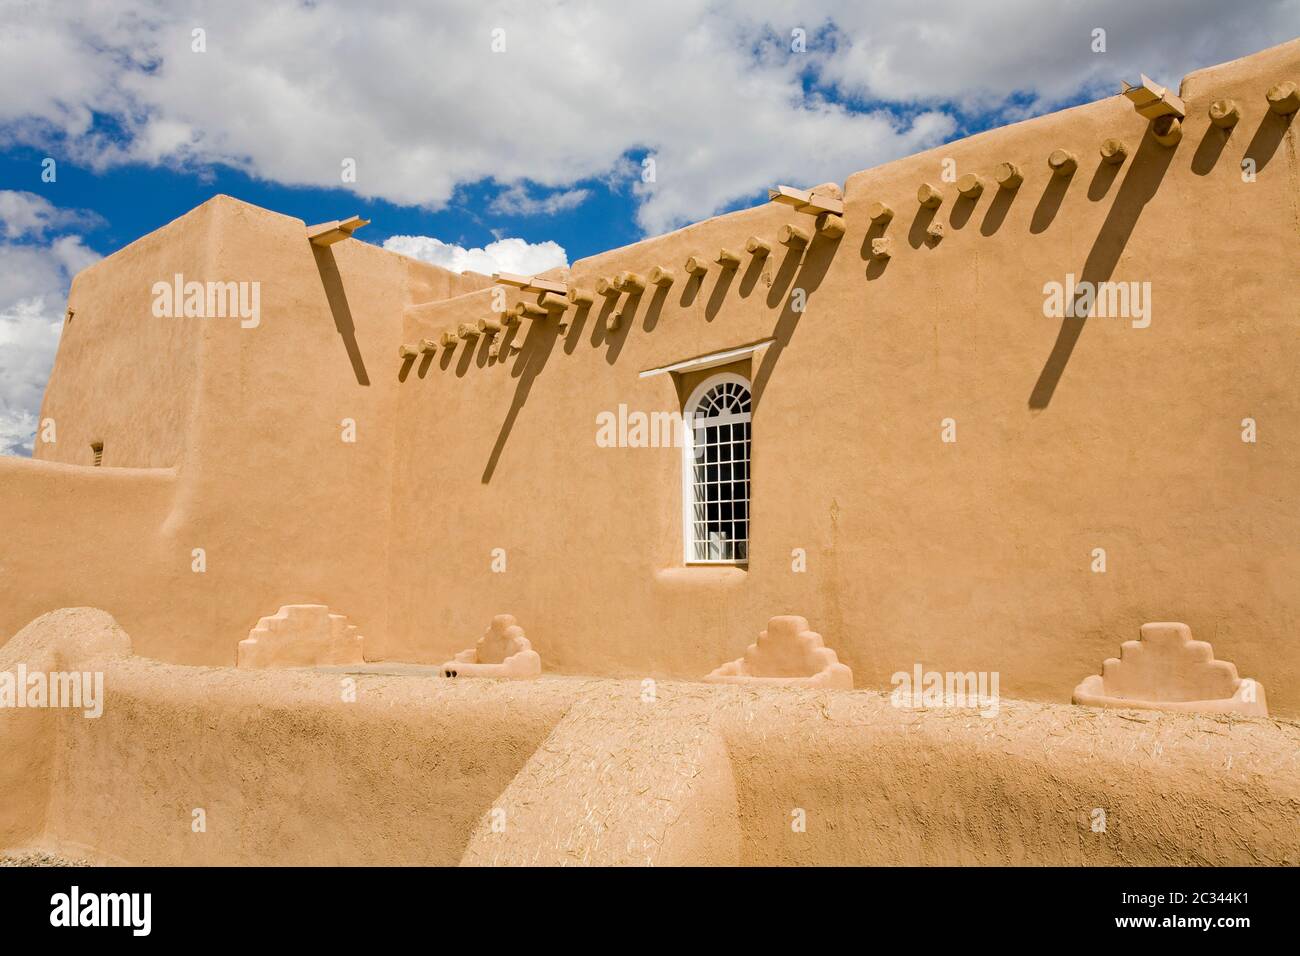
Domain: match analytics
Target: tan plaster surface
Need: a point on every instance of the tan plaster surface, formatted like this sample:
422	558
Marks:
419	770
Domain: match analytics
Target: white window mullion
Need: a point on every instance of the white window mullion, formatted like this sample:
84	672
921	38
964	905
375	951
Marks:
717	458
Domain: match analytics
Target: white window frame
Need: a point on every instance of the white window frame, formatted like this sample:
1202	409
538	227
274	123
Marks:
688	471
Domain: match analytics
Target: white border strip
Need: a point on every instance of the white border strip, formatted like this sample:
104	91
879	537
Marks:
710	360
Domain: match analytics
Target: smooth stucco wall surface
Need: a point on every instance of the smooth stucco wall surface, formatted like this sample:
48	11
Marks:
249	422
974	555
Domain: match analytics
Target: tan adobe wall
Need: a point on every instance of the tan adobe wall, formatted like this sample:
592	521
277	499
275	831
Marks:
316	768
967	556
121	376
283	509
78	535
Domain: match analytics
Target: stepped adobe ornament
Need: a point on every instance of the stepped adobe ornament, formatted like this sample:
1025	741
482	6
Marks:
301	635
789	654
502	651
1167	670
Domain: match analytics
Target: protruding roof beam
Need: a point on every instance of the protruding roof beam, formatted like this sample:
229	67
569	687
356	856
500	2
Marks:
1152	100
530	283
1284	98
336	230
804	201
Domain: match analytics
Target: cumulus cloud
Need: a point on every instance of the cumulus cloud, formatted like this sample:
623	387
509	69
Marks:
27	214
712	91
34	281
517	201
504	255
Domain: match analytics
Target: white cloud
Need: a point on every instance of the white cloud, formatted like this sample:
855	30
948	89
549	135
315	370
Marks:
27	214
29	336
967	53
504	255
517	201
414	93
34	281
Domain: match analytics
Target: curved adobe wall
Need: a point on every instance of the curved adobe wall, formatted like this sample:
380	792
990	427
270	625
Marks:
285	767
320	767
1038	785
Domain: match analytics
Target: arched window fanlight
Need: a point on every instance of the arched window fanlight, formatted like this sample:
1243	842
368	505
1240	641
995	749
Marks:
715	472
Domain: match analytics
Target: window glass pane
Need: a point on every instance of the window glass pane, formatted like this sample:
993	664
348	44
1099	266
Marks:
718	524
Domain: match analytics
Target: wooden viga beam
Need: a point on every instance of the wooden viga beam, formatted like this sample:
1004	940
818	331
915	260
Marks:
527	310
1151	100
336	230
804	201
530	283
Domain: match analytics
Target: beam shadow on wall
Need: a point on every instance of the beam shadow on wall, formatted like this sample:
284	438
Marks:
1267	137
1140	184
332	282
997	210
577	323
1049	203
749	278
916	233
614	340
811	270
1212	144
718	297
875	264
536	351
808	266
655	308
1102	179
962	210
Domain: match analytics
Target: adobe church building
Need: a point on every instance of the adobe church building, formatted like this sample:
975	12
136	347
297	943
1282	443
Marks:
925	443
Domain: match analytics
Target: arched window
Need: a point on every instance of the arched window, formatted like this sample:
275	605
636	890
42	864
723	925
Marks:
715	472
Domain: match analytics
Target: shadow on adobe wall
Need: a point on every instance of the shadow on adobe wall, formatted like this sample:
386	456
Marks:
1049	203
1140	184
811	270
536	351
1267	137
338	299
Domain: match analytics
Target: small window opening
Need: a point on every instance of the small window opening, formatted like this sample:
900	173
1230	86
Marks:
716	463
97	448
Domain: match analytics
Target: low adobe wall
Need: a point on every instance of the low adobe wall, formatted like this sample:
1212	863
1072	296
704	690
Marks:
886	787
78	535
284	769
64	640
732	776
560	771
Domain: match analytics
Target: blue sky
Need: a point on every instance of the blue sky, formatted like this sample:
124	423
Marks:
473	123
134	199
